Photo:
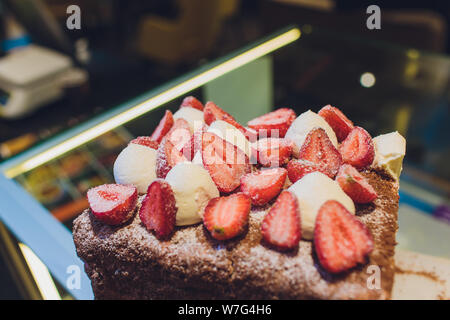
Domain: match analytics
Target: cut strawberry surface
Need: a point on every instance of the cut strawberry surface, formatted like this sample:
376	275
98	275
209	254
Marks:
273	124
158	210
167	157
262	186
194	144
319	149
337	121
112	204
163	127
281	226
273	152
357	149
226	217
225	162
192	102
146	141
297	169
341	241
213	113
179	134
355	185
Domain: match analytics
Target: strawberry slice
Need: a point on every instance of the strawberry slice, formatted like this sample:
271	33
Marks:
163	127
281	226
167	157
112	204
355	185
146	141
226	217
194	144
273	152
212	113
357	149
192	102
158	209
337	121
297	169
273	124
225	162
262	186
341	241
319	149
179	134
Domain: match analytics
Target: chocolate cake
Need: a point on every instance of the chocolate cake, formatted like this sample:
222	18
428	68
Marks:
128	262
289	208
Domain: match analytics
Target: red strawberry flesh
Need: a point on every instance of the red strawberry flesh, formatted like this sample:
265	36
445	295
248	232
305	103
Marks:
262	186
226	217
158	210
341	241
167	157
281	226
225	162
340	124
192	102
355	185
297	169
163	127
145	141
112	204
273	152
319	149
358	149
273	124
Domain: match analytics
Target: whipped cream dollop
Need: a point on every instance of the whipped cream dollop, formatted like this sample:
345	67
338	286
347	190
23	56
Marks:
304	123
193	188
312	191
390	150
193	116
136	165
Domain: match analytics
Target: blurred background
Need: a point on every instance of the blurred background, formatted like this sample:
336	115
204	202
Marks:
55	76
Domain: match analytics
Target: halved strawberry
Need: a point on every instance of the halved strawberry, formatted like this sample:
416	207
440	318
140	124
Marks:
225	162
281	226
340	239
194	144
273	124
251	135
337	121
192	102
167	157
297	169
113	203
273	152
146	141
163	127
159	209
357	149
262	186
179	134
355	185
226	217
319	149
212	113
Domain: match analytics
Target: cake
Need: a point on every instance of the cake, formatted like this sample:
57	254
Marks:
274	238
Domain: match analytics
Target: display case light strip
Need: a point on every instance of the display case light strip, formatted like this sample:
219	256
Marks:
152	103
40	274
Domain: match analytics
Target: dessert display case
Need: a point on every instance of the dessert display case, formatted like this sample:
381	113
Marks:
383	88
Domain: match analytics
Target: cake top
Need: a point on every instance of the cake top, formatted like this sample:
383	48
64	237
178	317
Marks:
201	166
